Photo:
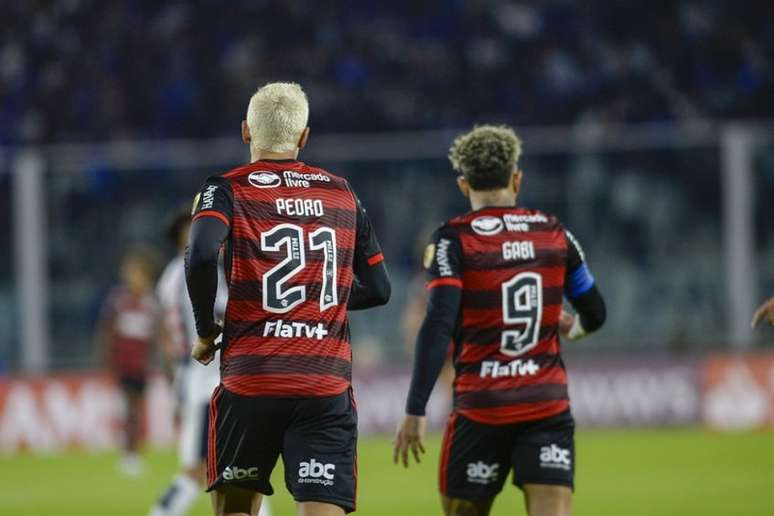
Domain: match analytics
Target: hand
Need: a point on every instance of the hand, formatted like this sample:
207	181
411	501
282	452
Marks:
410	434
566	320
203	350
765	311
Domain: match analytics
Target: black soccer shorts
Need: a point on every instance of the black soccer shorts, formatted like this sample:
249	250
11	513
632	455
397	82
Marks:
132	384
476	458
317	438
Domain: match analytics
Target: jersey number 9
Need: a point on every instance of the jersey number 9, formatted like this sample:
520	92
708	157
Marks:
522	308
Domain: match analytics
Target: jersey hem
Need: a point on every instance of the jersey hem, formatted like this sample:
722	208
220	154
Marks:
544	415
287	396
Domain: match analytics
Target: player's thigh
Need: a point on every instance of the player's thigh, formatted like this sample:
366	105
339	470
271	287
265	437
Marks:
320	452
232	501
547	500
544	453
475	459
319	509
460	507
244	441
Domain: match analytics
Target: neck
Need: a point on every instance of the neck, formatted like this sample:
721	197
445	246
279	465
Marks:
504	197
259	154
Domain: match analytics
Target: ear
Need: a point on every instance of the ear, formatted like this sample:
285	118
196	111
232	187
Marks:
464	186
245	132
304	138
516	181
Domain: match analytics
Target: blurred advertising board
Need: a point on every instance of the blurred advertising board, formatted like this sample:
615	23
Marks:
85	411
635	392
738	391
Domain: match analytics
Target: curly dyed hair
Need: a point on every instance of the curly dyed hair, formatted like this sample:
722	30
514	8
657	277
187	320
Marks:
486	156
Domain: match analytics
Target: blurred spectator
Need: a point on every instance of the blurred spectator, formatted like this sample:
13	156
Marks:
84	69
126	329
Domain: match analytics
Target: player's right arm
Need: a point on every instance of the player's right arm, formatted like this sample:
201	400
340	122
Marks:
371	283
443	261
581	291
212	214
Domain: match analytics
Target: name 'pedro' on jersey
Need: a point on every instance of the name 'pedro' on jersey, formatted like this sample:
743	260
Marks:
294	232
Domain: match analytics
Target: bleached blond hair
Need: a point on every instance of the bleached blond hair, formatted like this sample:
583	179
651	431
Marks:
277	115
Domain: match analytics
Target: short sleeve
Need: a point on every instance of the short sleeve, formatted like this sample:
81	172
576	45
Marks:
367	248
215	199
443	259
578	277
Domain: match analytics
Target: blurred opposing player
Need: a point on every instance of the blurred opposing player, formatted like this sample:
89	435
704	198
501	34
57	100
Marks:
764	312
125	331
300	252
497	276
195	383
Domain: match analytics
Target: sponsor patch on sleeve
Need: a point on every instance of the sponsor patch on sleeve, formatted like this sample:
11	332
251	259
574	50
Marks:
196	203
427	260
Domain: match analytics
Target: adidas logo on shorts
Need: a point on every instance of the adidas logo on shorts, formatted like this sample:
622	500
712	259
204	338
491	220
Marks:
481	473
555	457
315	472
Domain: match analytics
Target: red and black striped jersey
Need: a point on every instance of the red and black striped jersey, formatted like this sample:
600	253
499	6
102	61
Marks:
295	232
512	265
130	322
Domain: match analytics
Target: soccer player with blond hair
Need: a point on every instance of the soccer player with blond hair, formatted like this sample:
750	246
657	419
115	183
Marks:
497	277
299	253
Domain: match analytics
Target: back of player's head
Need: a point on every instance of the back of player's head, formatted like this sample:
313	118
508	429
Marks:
486	156
277	115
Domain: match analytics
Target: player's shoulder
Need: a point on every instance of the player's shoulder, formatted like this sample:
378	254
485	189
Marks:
120	298
324	177
267	175
230	175
117	293
492	221
258	173
539	218
448	230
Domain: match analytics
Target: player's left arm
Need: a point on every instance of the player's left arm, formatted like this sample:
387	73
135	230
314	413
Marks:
370	283
581	291
212	215
437	331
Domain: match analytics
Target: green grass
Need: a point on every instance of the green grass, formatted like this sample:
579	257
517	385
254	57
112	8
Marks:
621	473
